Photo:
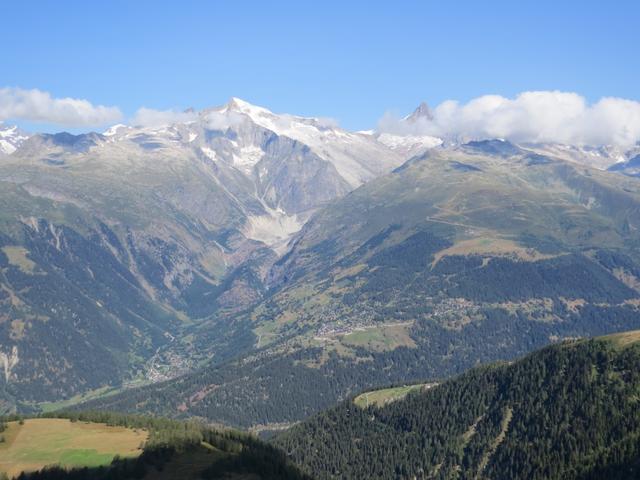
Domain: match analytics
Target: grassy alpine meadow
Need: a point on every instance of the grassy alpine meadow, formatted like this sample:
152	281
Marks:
40	442
387	395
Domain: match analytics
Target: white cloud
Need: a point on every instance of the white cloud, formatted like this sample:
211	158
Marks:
223	120
542	116
327	122
38	106
148	117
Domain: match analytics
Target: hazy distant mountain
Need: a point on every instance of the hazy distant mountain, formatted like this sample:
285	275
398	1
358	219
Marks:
629	167
602	157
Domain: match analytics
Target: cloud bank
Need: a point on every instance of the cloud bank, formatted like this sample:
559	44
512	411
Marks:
542	116
148	117
223	120
38	106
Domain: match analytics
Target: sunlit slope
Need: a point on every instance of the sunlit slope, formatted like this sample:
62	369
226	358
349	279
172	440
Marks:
458	231
41	442
104	446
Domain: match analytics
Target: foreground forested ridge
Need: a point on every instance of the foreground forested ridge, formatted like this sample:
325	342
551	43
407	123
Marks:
569	411
192	449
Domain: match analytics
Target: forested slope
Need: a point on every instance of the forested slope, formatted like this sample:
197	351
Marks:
569	411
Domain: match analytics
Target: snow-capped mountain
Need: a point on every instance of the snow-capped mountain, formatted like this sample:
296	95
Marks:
408	145
241	135
275	169
272	170
356	158
407	137
147	226
11	138
629	167
148	223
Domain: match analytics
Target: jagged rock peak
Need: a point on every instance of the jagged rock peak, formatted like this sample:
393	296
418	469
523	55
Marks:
423	111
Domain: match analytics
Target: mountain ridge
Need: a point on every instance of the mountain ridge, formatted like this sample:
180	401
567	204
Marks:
238	241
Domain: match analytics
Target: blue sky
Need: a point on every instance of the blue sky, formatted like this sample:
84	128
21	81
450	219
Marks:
349	61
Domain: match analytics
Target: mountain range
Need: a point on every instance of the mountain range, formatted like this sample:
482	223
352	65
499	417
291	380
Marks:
252	268
113	242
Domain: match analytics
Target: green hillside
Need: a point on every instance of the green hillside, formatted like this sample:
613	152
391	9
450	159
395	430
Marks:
111	446
387	395
39	442
569	411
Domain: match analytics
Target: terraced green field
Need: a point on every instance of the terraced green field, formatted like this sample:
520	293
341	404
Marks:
41	442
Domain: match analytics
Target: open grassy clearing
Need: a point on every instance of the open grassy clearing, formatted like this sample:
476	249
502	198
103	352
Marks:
490	246
44	441
380	398
17	256
381	338
624	339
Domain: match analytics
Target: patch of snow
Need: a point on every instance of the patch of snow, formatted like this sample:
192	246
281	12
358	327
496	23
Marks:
7	147
409	145
408	141
210	153
11	138
9	132
600	156
113	130
192	137
247	159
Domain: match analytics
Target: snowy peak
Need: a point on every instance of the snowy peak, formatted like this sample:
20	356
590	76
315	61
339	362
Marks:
116	130
409	136
356	158
238	105
11	138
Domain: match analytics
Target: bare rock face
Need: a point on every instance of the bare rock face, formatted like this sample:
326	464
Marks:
422	111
